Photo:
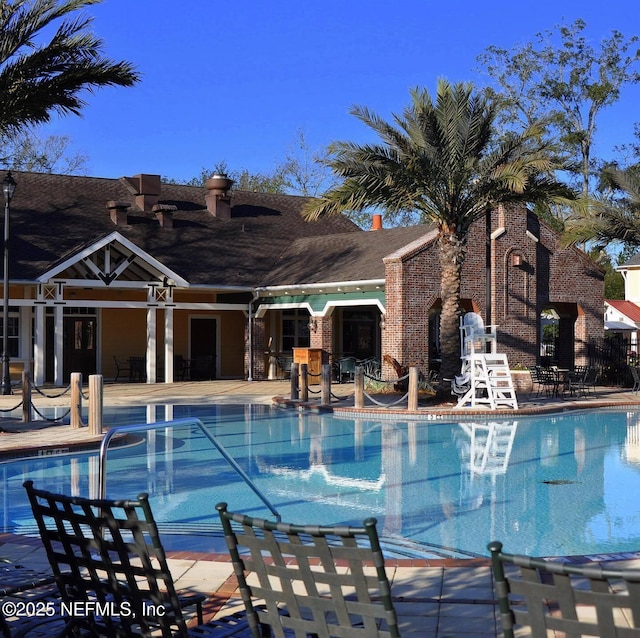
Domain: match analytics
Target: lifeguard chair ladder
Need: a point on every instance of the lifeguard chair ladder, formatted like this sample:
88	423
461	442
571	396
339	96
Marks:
485	378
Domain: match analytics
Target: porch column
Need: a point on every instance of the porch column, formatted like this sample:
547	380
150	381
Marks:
581	345
38	347
58	354
321	333
168	345
259	348
151	345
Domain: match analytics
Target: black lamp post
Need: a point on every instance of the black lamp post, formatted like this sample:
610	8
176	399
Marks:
8	188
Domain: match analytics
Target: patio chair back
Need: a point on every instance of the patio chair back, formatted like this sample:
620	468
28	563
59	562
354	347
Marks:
109	553
475	337
573	600
347	369
590	380
121	368
315	580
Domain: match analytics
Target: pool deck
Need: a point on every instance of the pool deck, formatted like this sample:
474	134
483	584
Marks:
433	597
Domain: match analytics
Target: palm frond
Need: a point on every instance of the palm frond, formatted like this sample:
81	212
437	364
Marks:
37	79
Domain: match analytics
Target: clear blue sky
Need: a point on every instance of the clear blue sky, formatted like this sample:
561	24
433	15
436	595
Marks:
235	80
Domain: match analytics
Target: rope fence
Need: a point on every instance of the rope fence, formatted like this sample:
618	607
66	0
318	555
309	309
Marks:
94	398
300	389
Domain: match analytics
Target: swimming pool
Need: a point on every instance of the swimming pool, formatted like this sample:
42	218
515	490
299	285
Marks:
546	485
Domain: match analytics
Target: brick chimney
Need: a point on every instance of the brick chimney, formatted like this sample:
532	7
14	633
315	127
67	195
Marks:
118	212
146	189
164	214
376	222
217	197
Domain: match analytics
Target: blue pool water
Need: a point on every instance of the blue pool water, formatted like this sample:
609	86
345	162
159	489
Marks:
547	485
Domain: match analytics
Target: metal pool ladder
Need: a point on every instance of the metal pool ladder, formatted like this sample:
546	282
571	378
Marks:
126	429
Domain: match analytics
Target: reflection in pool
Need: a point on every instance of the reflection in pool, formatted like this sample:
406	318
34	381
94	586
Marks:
547	485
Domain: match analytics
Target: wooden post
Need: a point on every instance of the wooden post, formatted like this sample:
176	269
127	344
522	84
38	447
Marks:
76	400
325	396
358	381
304	382
294	381
96	400
413	389
27	412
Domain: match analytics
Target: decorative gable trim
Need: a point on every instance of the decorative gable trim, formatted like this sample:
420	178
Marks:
109	259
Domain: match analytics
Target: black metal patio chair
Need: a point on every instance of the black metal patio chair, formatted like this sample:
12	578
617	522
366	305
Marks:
590	381
572	600
122	368
313	580
28	603
107	558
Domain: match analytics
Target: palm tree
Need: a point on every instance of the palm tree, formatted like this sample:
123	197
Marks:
442	159
610	218
42	74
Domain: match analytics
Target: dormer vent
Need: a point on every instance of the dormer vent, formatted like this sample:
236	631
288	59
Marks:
146	189
118	211
217	197
164	214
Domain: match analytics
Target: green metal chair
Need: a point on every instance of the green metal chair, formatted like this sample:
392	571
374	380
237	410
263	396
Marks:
108	559
573	600
313	580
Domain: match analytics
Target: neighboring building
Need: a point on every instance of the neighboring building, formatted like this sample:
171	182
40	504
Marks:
105	269
623	316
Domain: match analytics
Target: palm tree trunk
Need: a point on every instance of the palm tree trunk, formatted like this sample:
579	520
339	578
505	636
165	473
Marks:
452	255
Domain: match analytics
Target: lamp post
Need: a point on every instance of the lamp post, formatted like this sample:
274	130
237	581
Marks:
8	188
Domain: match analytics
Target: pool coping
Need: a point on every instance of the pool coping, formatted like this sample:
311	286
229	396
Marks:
460	414
481	561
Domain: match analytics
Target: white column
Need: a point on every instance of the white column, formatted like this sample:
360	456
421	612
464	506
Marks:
58	353
38	347
168	345
26	352
151	345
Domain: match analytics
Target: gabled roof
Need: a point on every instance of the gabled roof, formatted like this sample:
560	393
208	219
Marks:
633	262
54	217
112	258
340	258
627	308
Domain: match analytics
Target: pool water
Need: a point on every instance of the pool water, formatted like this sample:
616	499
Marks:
546	485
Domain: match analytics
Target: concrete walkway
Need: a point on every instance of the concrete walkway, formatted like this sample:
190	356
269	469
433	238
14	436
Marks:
433	598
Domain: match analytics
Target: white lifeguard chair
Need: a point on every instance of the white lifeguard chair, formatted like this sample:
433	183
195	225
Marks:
485	378
475	337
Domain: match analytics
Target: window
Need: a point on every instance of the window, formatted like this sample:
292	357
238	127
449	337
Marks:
13	334
295	329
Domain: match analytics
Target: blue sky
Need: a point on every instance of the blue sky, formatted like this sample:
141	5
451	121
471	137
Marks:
235	80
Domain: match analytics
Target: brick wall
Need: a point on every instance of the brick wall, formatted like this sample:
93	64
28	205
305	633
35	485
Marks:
530	271
322	336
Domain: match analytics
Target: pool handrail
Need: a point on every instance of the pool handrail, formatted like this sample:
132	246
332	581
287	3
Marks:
119	429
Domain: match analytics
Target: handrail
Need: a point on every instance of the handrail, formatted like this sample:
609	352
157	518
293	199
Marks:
104	446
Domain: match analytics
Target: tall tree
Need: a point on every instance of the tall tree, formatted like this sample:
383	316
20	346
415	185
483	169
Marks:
304	170
614	215
562	76
26	151
441	159
243	179
48	59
